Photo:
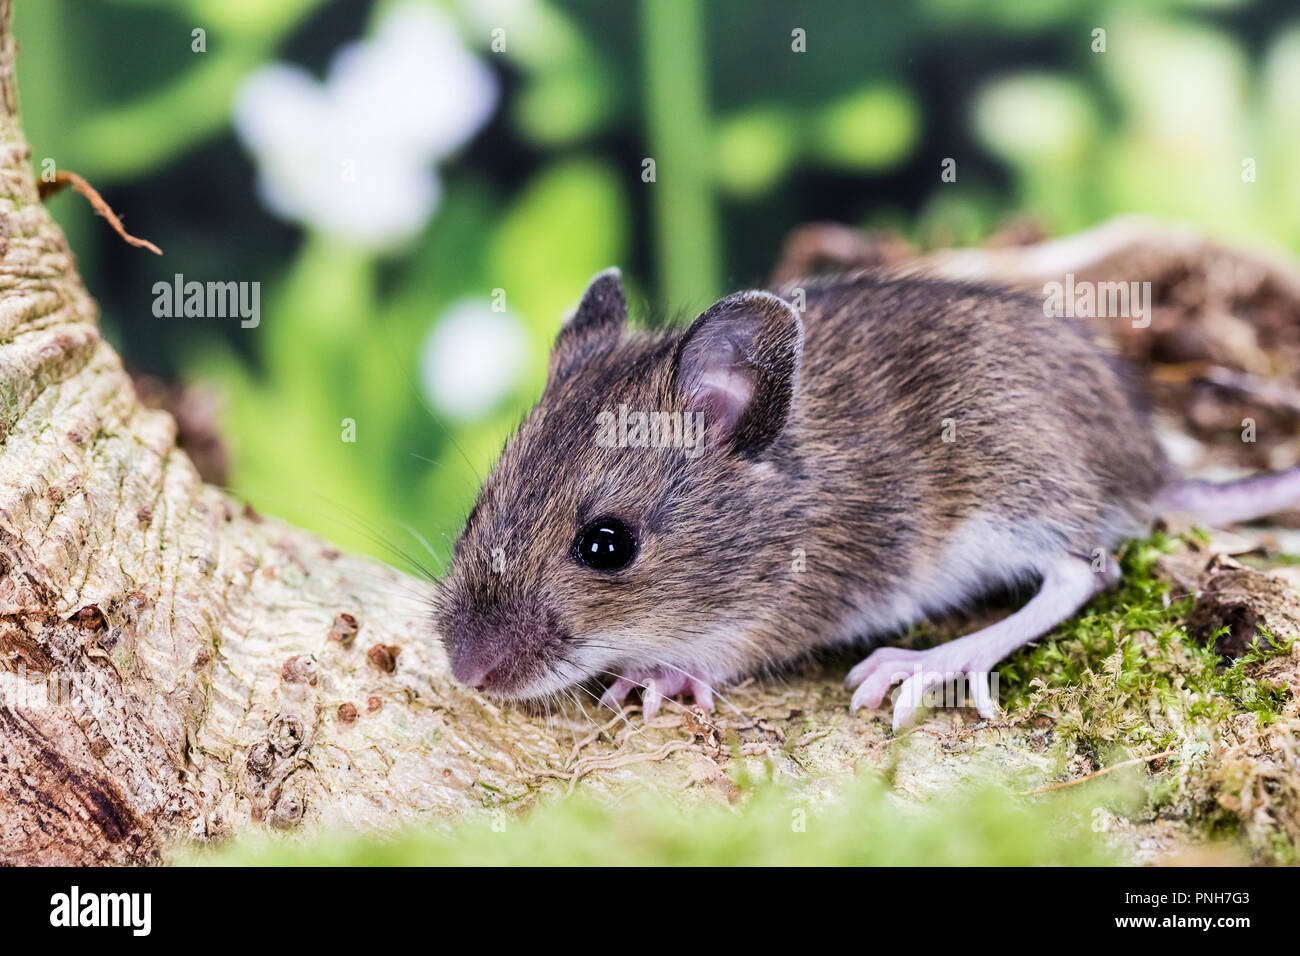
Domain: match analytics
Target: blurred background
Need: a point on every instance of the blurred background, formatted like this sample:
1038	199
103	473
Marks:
423	188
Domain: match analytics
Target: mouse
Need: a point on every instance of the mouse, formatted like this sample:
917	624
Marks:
822	464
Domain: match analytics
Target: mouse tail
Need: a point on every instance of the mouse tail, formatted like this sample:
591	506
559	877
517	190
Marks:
1222	503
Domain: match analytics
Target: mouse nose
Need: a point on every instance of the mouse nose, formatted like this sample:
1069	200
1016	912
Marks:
486	681
479	667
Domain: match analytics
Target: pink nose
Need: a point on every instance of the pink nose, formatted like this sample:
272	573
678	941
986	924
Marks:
478	669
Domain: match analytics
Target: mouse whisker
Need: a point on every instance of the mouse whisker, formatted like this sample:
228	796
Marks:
669	700
571	692
619	714
427	547
712	690
371	533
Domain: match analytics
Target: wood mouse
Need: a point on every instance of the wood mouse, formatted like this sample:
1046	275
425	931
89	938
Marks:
896	448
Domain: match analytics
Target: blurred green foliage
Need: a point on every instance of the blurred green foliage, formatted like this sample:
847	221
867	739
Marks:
749	139
863	825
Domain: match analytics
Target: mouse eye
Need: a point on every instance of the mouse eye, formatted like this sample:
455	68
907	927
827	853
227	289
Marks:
605	544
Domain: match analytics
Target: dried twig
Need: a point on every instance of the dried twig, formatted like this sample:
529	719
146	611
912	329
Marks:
1096	773
64	178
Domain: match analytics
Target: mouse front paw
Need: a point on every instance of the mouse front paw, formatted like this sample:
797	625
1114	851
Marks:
655	686
920	673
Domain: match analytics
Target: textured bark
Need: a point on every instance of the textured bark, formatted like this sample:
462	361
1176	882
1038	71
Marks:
173	666
167	661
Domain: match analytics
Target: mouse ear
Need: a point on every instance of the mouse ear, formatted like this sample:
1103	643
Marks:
737	363
603	305
603	309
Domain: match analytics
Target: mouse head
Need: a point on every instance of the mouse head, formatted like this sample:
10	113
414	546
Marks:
634	520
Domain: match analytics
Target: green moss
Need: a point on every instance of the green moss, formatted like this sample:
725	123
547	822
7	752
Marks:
864	825
1125	679
1127	669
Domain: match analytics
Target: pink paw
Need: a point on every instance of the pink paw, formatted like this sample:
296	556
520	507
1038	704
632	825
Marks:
920	673
657	685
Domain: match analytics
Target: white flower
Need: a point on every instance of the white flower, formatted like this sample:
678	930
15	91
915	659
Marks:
354	157
472	359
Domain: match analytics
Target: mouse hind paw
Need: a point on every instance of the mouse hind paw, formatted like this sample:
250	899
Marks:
1066	587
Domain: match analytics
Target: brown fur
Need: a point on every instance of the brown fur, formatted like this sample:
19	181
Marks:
847	466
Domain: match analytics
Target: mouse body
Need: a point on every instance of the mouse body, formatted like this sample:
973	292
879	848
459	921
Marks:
685	507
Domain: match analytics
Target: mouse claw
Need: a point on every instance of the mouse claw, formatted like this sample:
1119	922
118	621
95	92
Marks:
920	672
872	678
911	694
616	693
702	693
656	687
651	699
981	698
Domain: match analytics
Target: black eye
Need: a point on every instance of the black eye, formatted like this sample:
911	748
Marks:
605	544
